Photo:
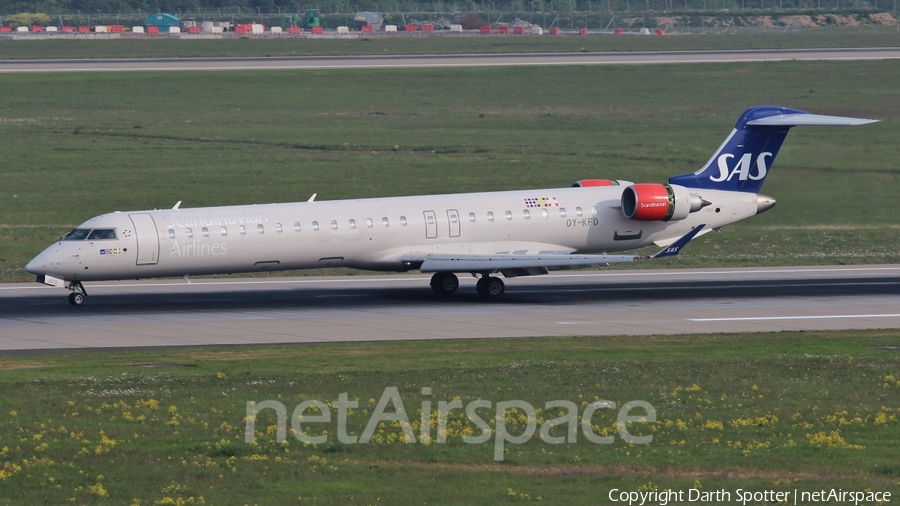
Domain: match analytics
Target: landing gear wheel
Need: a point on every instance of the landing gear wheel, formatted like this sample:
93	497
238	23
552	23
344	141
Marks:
489	287
444	283
76	299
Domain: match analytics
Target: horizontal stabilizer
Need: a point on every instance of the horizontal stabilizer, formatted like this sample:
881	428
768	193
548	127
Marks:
809	119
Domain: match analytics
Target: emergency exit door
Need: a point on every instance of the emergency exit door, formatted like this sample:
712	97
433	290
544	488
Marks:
453	218
430	225
147	239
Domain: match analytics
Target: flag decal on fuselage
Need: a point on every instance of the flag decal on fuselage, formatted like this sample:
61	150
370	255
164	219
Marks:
541	202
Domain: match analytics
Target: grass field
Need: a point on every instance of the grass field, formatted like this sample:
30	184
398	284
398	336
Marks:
78	145
785	411
865	36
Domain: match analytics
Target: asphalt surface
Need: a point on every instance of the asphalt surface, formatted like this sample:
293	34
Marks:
171	313
430	61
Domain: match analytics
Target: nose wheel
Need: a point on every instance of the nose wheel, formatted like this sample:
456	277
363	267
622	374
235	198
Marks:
76	298
489	287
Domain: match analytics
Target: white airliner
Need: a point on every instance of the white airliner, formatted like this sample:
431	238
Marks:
513	233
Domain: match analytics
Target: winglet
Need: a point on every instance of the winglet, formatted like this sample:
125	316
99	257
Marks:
313	198
676	247
177	205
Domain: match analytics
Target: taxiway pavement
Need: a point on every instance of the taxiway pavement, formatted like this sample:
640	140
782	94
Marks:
453	60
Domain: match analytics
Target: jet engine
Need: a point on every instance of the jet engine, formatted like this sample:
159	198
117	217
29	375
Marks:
659	202
586	183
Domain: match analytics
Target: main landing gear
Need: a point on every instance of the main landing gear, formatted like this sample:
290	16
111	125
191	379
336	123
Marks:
76	298
446	283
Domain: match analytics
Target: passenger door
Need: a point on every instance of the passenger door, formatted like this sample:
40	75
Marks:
147	239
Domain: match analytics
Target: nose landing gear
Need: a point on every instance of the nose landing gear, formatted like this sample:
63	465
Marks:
76	298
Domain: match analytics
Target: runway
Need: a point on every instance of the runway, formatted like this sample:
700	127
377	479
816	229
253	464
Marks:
456	60
171	313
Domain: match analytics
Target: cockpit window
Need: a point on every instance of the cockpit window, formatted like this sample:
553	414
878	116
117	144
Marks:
79	234
102	233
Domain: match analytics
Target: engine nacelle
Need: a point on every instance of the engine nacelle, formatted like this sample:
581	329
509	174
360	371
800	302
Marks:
659	202
586	183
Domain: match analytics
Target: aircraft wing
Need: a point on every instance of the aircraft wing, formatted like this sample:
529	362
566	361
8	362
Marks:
520	265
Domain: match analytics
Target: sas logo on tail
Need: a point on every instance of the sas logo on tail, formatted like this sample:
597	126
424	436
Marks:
742	168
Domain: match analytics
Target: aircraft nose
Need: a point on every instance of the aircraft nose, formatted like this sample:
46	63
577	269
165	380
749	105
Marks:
38	264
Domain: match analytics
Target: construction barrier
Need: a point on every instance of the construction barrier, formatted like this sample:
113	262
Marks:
84	29
294	30
390	28
52	29
174	29
100	29
151	30
367	29
617	31
428	28
317	30
503	30
411	28
554	30
134	29
343	30
194	30
659	32
485	30
519	30
5	29
37	29
455	28
583	31
68	29
116	29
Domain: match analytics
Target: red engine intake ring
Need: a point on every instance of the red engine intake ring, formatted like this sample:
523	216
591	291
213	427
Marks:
648	202
588	183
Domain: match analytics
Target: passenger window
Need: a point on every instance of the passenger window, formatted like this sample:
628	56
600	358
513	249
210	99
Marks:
527	214
430	219
454	218
204	231
242	230
472	217
316	226
260	229
578	212
296	226
189	233
490	216
223	231
562	212
544	213
79	234
594	211
369	222
171	234
508	215
353	224
278	228
385	222
107	233
403	220
333	224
